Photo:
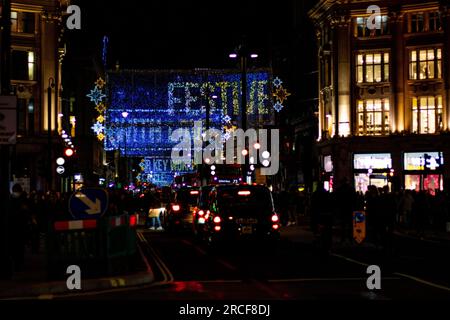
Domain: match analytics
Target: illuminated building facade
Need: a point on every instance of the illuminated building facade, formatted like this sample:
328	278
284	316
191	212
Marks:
384	98
36	58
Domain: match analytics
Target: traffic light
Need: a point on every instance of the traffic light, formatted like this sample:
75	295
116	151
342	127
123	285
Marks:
68	152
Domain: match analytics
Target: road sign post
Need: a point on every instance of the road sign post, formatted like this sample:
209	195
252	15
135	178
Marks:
89	203
359	226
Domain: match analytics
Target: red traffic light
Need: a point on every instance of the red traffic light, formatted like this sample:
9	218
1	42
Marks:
68	152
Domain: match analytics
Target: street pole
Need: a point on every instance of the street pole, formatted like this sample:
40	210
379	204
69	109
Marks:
5	173
51	83
243	56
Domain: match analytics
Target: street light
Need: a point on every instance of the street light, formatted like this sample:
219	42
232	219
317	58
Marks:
125	115
244	55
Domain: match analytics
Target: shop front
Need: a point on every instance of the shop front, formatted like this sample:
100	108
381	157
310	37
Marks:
423	171
371	169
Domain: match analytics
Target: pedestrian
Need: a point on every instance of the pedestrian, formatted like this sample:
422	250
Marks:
154	214
345	202
18	226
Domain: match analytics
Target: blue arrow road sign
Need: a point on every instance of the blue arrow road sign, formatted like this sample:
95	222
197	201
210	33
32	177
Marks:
88	203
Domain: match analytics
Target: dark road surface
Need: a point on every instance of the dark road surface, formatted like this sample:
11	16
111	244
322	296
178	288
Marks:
293	270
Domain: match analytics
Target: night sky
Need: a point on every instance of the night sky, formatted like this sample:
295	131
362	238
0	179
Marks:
183	34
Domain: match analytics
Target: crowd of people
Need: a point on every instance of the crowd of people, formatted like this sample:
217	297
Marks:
386	211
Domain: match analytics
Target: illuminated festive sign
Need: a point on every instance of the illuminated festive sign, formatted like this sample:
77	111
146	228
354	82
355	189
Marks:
159	102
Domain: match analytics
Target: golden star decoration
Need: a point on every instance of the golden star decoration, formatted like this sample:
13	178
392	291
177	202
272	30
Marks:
100	137
100	118
100	108
100	83
281	94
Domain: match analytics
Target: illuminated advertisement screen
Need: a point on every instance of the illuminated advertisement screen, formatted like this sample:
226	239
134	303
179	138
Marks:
423	161
372	161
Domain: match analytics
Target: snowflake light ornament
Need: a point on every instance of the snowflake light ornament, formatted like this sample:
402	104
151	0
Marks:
277	82
98	128
96	95
278	107
227	118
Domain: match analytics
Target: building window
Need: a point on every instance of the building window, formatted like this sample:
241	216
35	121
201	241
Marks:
372	67
22	22
373	117
425	22
425	64
362	27
427	114
435	22
23	65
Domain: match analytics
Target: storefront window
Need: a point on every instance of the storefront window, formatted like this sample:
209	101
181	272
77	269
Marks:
420	161
423	171
412	182
373	161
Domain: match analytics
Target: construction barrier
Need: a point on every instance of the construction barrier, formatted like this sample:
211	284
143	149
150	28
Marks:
98	247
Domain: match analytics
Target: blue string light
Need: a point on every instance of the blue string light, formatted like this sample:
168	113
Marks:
159	102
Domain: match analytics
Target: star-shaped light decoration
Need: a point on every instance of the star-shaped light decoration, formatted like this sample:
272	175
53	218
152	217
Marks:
187	109
227	118
100	107
277	82
101	118
96	95
226	136
142	164
171	111
100	83
281	94
100	136
98	128
278	107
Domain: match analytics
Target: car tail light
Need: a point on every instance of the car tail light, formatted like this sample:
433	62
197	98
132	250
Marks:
175	207
201	213
275	218
217	228
275	227
133	220
244	193
217	219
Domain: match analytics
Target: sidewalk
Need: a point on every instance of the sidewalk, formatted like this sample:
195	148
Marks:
32	281
302	233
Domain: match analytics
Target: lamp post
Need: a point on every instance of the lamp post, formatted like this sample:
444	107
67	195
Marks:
125	116
51	85
243	54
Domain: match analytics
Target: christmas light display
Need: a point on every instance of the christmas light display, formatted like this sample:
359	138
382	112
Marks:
159	102
277	82
96	95
280	94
